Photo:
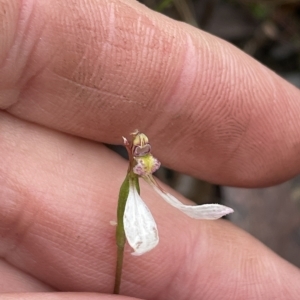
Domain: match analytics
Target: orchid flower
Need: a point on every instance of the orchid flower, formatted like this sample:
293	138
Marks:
135	221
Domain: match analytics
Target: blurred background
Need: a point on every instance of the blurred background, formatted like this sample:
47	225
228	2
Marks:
269	31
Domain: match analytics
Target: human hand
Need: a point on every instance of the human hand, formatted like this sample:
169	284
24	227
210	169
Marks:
98	70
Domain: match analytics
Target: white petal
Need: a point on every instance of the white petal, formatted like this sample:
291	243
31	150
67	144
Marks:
205	211
139	225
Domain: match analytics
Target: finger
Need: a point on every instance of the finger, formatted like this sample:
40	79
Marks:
61	296
100	69
13	280
59	194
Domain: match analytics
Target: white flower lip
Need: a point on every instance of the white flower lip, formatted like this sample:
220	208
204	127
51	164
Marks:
144	168
139	224
204	211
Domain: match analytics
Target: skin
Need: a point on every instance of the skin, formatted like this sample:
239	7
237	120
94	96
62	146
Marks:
76	74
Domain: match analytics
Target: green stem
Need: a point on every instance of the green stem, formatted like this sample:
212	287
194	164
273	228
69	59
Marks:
131	178
120	233
118	276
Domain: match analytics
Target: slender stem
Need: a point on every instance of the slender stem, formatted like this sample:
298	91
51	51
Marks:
120	232
118	276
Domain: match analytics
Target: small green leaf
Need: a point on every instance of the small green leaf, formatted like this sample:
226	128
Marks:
120	232
123	195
